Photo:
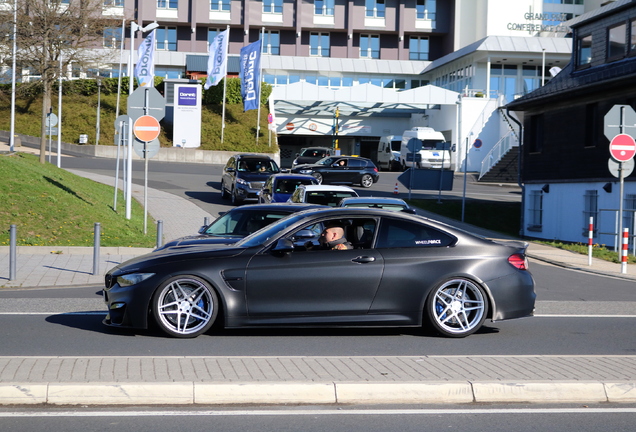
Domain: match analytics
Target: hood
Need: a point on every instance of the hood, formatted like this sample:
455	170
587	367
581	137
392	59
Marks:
198	240
175	254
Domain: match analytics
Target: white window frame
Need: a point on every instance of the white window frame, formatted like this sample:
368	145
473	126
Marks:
321	49
220	5
369	53
327	5
167	4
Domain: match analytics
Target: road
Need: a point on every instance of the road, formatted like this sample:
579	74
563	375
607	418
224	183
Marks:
200	183
319	419
581	311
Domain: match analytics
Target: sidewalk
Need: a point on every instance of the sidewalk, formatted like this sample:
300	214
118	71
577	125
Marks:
215	380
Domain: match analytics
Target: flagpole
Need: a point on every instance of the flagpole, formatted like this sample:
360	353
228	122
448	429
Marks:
227	47
260	86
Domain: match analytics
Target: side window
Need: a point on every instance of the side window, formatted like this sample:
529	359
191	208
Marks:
230	163
356	163
358	232
399	234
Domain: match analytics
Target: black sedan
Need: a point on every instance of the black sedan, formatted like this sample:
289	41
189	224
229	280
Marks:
403	270
342	170
237	223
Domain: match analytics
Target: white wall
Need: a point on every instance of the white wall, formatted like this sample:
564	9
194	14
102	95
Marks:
563	208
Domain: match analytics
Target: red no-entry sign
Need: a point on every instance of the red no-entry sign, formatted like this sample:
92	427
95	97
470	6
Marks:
623	147
146	128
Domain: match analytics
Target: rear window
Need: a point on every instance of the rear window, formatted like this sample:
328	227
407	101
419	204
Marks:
401	234
289	186
318	153
329	198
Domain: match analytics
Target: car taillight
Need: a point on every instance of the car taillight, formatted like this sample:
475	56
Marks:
519	261
375	169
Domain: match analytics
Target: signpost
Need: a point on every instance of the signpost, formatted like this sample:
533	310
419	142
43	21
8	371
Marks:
620	120
51	120
146	128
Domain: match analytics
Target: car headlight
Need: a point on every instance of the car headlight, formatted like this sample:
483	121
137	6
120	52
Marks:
305	171
241	181
132	278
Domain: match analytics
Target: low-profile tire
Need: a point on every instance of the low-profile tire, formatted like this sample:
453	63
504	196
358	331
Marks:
318	177
185	306
366	181
457	307
224	193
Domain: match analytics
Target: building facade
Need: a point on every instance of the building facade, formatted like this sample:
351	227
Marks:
569	174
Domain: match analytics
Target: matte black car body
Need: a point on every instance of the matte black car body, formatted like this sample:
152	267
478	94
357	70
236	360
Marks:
404	270
356	170
311	155
237	223
243	176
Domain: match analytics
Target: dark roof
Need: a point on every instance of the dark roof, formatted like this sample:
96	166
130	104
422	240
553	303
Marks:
199	63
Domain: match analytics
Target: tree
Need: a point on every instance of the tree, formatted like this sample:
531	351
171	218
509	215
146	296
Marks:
50	30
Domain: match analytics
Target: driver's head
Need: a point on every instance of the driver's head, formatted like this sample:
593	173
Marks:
331	233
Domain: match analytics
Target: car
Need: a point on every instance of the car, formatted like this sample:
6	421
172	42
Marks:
310	155
393	204
237	223
279	187
244	175
403	271
342	169
321	194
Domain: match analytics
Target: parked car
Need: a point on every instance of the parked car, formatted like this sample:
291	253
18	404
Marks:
279	187
321	194
244	175
404	270
393	204
310	155
342	169
237	223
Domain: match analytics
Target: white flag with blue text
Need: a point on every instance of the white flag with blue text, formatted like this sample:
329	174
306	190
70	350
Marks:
145	68
217	62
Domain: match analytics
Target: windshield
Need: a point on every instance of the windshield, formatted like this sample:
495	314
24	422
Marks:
288	186
259	238
257	165
434	145
316	153
240	223
330	198
327	161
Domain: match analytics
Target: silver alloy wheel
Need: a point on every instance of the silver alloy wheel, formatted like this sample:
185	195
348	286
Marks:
457	308
318	177
366	181
185	306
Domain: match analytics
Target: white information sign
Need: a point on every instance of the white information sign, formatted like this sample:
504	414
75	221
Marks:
187	115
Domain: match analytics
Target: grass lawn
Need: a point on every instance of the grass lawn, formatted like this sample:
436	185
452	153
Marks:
52	207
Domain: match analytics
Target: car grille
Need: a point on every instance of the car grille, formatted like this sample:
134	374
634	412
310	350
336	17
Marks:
256	185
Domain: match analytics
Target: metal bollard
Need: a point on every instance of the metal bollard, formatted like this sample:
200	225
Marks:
96	245
159	233
12	252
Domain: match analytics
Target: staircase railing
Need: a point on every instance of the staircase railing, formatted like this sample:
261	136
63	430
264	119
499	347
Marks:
500	149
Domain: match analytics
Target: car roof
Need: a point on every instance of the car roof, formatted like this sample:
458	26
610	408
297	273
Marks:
317	188
292	207
252	156
321	148
290	175
374	200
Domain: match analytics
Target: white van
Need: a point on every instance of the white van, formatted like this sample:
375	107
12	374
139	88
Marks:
434	151
388	157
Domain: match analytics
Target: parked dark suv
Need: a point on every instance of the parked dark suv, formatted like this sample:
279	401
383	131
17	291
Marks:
243	176
342	169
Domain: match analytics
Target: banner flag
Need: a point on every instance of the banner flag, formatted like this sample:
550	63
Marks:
145	68
217	62
250	75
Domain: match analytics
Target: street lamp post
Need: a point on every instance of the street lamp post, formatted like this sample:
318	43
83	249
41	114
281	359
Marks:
99	102
14	49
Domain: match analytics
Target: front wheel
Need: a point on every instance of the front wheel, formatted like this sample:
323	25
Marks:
185	306
457	308
318	177
366	181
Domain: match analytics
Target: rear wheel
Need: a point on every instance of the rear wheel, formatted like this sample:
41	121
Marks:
185	306
318	177
457	307
366	181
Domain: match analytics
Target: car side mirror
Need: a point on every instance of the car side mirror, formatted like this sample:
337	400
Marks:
409	211
266	191
202	229
283	245
230	169
305	234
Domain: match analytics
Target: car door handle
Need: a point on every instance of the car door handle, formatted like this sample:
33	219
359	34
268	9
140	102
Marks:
363	259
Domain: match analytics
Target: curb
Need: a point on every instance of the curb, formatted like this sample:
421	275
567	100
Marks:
196	393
